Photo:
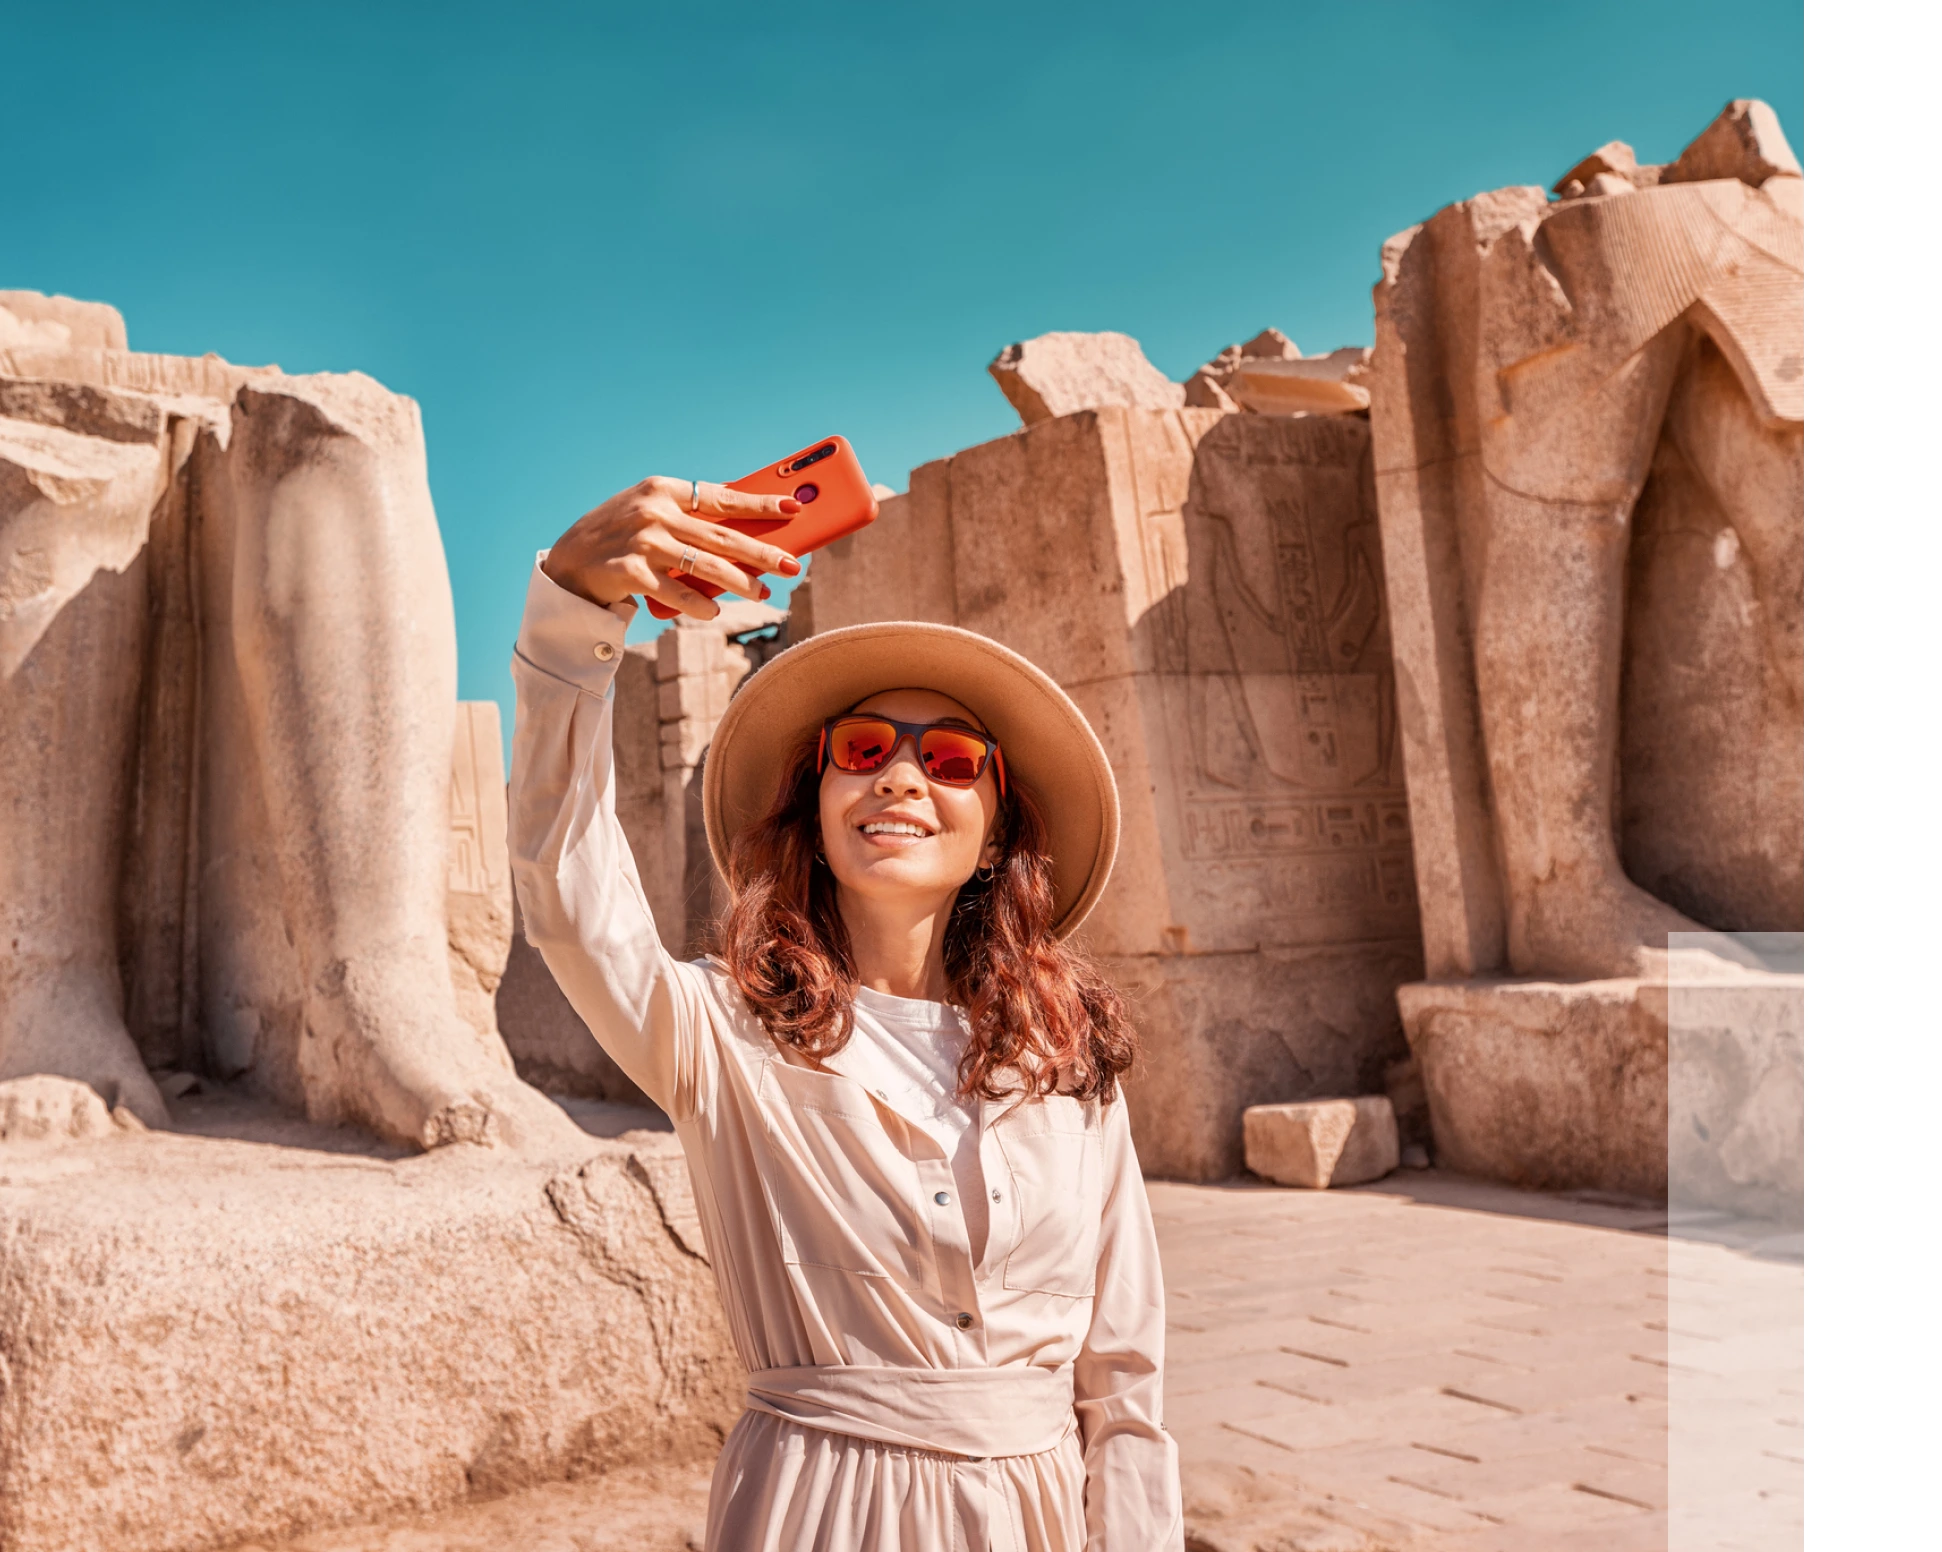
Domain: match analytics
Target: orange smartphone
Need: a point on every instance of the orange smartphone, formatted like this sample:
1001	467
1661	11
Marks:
836	500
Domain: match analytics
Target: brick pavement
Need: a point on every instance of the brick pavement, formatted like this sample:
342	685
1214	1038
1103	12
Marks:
1437	1363
1428	1364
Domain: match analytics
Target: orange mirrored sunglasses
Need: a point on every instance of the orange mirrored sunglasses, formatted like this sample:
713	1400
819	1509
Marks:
949	753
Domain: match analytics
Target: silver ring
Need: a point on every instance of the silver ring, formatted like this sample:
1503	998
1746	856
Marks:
694	501
685	564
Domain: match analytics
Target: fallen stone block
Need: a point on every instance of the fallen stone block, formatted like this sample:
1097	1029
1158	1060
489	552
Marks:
1744	142
1063	373
213	1339
1736	1095
1207	388
44	1108
1554	1086
1564	1086
1333	384
1318	1143
29	318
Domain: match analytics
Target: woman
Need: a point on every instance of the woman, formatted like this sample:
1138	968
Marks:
896	1089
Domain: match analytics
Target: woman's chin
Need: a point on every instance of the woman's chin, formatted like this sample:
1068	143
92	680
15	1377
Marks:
902	872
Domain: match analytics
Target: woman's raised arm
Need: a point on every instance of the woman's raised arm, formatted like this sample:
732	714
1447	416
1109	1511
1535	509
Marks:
579	892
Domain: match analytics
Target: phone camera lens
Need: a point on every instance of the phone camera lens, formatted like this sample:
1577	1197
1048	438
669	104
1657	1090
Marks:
807	493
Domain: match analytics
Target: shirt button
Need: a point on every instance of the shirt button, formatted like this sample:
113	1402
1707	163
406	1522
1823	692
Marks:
997	1196
943	1199
964	1321
604	650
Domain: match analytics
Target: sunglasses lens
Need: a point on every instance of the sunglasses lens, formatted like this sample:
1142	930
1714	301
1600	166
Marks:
861	745
957	758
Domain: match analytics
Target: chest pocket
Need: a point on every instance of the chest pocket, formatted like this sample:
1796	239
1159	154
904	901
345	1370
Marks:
840	1192
1053	1151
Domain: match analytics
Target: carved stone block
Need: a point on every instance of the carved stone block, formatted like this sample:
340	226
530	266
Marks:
1319	1143
1208	588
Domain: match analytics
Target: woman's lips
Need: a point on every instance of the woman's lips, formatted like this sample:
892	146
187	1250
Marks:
907	833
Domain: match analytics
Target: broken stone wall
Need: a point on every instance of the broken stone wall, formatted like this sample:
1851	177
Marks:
1208	588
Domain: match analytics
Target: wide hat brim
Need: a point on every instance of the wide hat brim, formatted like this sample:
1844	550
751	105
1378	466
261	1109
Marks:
1048	744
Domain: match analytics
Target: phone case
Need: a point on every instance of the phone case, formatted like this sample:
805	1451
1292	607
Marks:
839	501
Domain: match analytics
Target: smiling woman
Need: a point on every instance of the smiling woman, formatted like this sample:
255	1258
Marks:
896	1084
873	869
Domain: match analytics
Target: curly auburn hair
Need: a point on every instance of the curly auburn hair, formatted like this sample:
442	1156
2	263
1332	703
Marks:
1038	1012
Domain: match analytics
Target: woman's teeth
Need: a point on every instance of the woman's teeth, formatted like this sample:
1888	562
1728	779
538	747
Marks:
894	827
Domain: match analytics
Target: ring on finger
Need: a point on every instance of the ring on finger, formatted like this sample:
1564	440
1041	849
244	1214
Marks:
685	564
694	500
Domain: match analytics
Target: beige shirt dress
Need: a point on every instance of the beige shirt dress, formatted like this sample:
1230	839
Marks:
904	1395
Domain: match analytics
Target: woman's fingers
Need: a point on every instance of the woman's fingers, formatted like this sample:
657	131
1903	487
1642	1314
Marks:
756	555
719	501
722	501
651	581
710	567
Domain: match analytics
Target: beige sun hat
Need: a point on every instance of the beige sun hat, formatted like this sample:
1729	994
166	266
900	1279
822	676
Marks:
1048	744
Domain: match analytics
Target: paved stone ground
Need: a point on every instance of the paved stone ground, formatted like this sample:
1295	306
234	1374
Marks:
1428	1364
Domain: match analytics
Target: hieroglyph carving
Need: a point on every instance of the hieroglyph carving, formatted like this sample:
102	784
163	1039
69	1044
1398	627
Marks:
1290	782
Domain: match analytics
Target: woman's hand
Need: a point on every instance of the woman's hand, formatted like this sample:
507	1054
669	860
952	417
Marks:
629	543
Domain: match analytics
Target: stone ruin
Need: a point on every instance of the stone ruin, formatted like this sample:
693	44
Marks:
227	674
1588	423
1208	587
253	889
1454	690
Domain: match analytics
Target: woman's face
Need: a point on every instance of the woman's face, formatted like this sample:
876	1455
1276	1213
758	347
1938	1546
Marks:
894	835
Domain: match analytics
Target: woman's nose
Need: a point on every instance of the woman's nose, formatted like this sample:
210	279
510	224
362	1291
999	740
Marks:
901	774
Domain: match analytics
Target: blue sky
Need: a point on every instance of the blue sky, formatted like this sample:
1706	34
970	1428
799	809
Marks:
601	241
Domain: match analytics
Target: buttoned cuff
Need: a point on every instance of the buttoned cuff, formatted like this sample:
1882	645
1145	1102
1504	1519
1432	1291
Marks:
571	638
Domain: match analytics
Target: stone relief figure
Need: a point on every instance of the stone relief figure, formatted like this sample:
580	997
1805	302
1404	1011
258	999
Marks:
1538	364
1299	608
1291	786
227	698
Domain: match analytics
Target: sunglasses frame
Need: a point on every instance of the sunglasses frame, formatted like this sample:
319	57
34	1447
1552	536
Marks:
914	731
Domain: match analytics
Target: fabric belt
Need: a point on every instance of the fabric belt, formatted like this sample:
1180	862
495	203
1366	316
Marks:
1021	1409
